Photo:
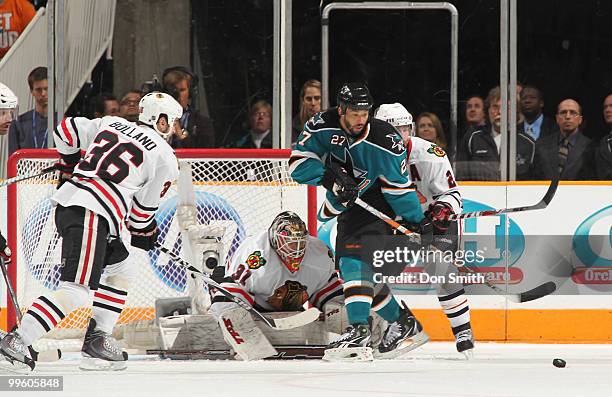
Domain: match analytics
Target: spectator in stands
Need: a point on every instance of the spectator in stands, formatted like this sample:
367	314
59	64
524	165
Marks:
260	121
429	127
15	15
30	129
196	129
604	151
104	104
310	104
128	107
536	124
474	113
478	153
566	152
8	113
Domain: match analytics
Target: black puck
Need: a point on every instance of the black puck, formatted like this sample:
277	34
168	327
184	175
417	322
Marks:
559	363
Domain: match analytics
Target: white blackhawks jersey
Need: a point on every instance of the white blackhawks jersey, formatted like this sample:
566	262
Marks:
432	174
257	274
126	169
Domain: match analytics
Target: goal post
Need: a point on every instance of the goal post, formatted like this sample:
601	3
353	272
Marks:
240	189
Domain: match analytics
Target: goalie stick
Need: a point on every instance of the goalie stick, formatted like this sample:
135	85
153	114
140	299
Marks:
20	178
42	356
538	292
297	320
548	196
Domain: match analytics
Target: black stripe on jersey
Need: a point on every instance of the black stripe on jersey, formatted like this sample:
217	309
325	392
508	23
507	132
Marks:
220	299
451	194
338	292
148	220
107	307
40	320
118	194
76	132
52	306
332	277
358	290
57	134
461	327
451	296
100	201
457	314
113	290
142	207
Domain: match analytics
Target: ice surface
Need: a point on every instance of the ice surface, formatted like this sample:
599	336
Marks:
433	370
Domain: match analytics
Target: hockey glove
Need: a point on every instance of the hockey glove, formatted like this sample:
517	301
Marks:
439	212
5	251
339	182
66	166
145	238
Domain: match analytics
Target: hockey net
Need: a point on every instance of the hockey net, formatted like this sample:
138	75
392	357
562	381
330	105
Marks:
242	189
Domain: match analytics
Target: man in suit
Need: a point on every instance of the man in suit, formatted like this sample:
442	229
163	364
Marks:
536	124
603	158
566	151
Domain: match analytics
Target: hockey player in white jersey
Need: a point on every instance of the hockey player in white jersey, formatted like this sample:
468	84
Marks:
280	269
432	173
117	185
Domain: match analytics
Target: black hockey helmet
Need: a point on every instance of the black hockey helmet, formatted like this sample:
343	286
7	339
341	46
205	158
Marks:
355	96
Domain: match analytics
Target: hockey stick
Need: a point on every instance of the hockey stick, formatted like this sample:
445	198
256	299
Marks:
538	292
548	196
43	356
16	179
297	320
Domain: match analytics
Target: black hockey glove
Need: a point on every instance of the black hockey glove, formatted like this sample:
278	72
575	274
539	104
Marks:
145	238
5	251
66	166
424	229
340	183
439	212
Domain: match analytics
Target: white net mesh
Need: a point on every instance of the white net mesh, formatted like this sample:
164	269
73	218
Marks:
242	194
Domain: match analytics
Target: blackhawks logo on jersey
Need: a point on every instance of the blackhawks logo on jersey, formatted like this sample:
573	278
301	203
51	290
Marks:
255	260
289	296
437	150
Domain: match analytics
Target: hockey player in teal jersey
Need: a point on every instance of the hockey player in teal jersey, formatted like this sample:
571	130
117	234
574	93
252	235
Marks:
354	156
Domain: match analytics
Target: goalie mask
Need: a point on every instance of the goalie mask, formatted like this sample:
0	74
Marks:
161	112
9	109
287	236
396	115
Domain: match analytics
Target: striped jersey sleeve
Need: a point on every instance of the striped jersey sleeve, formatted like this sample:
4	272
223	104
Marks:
75	133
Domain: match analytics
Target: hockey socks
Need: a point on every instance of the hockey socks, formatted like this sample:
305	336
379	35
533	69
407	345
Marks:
42	316
385	304
358	289
108	302
457	310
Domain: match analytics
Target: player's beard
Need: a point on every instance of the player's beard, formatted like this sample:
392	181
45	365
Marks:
349	127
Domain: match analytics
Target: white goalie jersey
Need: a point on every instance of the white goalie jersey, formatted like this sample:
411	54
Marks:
256	274
432	174
125	171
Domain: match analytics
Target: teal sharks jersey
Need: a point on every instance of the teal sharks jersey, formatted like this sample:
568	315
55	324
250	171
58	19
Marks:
376	160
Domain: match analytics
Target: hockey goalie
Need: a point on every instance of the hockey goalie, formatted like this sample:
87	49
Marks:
280	269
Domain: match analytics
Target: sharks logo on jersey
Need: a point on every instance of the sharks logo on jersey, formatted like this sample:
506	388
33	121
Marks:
347	163
396	142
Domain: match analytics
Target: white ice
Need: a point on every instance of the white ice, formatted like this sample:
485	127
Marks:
433	370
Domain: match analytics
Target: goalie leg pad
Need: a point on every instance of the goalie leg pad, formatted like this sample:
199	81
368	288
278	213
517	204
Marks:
241	333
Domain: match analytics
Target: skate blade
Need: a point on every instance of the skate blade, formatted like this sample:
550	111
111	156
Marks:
468	354
14	366
349	354
97	364
404	347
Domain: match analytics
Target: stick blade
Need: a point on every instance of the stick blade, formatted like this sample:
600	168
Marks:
533	294
297	320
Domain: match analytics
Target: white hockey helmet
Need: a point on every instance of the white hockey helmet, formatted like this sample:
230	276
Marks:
287	236
396	115
9	107
153	106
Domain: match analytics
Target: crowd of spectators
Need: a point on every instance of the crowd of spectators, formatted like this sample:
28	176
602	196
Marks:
546	147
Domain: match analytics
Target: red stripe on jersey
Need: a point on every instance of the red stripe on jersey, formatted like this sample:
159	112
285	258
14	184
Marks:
243	293
409	149
325	290
49	316
66	132
140	214
109	298
106	194
87	249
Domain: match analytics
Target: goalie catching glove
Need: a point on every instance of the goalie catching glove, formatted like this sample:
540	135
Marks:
145	238
339	182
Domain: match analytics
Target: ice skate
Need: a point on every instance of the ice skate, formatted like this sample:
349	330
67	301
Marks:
465	343
16	352
353	345
101	352
402	336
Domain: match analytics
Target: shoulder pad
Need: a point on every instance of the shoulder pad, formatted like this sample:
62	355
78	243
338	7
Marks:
385	136
323	120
